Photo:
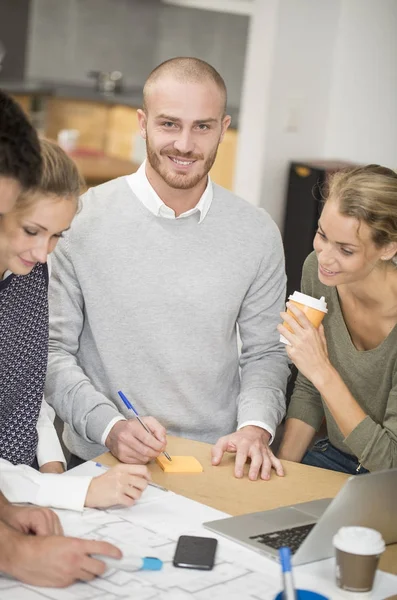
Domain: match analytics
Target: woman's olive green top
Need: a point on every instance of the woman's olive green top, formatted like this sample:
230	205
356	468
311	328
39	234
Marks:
370	375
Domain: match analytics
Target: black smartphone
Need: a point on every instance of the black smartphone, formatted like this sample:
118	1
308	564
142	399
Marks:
194	552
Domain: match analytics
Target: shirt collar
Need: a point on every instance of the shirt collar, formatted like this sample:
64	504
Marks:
141	187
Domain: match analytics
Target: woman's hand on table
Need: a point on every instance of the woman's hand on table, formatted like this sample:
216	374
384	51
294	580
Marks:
121	485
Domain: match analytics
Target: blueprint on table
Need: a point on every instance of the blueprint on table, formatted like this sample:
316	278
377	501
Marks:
152	527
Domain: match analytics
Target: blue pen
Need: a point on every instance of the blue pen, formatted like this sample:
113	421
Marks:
130	407
285	559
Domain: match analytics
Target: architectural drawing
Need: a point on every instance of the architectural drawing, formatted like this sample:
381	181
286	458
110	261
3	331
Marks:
151	528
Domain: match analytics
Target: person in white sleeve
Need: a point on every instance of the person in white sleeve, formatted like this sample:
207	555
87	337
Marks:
49	454
28	440
47	558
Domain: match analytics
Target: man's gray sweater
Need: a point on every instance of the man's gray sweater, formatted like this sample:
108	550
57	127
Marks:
149	305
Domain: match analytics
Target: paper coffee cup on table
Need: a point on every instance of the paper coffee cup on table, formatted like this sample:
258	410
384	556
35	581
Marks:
315	310
357	552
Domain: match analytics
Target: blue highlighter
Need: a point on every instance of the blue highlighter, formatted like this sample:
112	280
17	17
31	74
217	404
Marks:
131	563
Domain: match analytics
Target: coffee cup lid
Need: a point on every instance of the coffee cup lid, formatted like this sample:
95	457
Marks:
319	304
359	540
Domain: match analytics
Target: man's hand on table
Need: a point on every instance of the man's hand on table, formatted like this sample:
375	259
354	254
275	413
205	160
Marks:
31	519
249	442
55	561
131	443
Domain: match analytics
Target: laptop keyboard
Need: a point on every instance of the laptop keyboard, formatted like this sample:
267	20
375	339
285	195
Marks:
292	537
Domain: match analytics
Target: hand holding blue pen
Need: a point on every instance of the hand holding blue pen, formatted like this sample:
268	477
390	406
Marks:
130	407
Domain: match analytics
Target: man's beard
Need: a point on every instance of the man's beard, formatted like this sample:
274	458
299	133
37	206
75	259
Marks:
179	181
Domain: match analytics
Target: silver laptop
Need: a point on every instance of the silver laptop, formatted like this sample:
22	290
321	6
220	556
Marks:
368	500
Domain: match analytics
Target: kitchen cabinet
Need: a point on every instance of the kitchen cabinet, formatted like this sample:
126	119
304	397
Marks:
89	118
121	131
24	102
99	169
222	171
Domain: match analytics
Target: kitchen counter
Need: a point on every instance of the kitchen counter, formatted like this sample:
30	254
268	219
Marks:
97	168
130	96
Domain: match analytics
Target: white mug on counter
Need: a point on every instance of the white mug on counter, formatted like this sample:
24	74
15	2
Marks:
68	138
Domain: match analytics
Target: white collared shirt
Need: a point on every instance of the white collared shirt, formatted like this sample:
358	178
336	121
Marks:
143	190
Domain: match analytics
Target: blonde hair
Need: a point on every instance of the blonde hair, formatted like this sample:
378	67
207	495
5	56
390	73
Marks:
59	177
369	194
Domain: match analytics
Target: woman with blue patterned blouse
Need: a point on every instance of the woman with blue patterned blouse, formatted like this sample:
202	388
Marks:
27	235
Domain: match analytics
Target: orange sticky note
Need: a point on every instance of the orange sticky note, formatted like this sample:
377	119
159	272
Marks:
179	464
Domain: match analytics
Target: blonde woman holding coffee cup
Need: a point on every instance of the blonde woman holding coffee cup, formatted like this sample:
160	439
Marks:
348	365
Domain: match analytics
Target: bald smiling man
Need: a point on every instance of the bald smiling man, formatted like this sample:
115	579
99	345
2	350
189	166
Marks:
149	286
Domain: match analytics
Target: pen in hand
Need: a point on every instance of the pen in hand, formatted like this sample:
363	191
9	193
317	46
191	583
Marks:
130	407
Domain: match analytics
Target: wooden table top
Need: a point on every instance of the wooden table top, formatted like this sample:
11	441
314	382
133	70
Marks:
217	487
98	168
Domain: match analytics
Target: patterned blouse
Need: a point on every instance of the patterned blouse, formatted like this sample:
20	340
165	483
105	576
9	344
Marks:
23	361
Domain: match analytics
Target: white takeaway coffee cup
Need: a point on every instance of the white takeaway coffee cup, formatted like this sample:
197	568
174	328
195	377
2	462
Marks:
315	310
68	139
357	553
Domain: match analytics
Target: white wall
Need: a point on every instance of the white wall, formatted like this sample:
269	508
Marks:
321	82
300	91
362	123
286	119
255	100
